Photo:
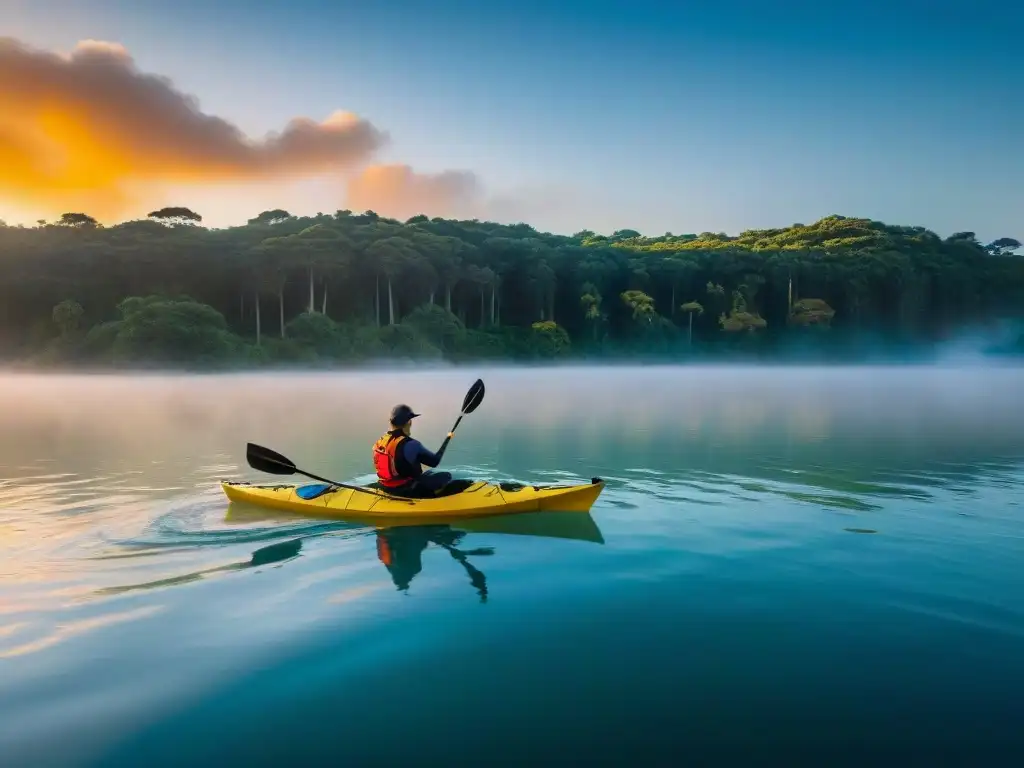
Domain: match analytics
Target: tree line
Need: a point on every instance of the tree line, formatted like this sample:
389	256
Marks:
347	286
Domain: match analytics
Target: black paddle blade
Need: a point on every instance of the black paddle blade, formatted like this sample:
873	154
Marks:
474	397
266	460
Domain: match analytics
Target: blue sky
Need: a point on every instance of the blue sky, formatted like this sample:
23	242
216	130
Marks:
657	116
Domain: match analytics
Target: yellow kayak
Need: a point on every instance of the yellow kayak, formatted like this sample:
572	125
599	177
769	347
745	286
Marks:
479	499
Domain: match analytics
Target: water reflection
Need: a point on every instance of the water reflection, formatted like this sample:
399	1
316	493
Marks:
279	552
399	547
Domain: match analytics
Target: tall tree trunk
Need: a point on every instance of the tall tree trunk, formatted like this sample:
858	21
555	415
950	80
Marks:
323	310
376	297
432	292
312	305
492	303
256	296
448	296
280	304
391	303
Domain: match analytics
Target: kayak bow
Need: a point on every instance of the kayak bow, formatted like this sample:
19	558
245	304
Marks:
479	499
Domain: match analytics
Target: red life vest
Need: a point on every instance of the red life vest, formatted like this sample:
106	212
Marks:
385	451
383	549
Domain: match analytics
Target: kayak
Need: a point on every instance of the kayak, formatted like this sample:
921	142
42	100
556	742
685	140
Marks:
477	499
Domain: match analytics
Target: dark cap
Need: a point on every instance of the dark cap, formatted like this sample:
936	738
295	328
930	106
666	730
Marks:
402	415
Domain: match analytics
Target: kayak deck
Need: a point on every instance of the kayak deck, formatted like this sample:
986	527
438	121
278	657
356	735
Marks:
479	499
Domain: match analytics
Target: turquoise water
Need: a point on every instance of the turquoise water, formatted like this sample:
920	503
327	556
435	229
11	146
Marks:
786	562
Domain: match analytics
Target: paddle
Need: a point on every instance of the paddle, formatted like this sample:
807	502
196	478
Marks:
476	576
470	403
271	462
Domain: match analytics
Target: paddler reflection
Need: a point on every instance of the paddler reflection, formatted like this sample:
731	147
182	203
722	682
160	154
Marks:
401	549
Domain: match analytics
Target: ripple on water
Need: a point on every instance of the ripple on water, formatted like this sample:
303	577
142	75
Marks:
48	636
167	531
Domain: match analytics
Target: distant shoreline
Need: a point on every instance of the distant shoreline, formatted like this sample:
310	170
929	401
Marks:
355	291
407	366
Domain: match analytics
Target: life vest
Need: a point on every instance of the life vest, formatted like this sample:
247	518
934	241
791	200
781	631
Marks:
385	460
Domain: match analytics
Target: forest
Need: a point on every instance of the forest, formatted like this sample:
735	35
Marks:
349	288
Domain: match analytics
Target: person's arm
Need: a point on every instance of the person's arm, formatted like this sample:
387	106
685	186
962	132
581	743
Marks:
444	446
417	454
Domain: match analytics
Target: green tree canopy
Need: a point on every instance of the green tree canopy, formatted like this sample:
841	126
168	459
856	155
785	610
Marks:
468	288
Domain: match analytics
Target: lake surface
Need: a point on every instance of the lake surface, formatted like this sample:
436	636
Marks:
786	562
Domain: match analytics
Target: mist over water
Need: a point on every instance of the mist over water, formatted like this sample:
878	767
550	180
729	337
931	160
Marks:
791	554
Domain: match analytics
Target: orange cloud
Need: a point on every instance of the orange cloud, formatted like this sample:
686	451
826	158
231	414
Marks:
400	192
89	131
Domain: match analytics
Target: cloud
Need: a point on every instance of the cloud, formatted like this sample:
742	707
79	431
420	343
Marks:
89	131
400	192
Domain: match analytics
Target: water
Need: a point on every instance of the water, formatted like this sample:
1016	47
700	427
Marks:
785	562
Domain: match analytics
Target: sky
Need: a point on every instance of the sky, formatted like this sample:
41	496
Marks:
655	116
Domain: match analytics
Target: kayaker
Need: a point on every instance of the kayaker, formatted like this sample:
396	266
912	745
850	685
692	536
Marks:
397	457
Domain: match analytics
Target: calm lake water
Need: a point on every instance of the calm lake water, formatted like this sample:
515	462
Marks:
785	562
